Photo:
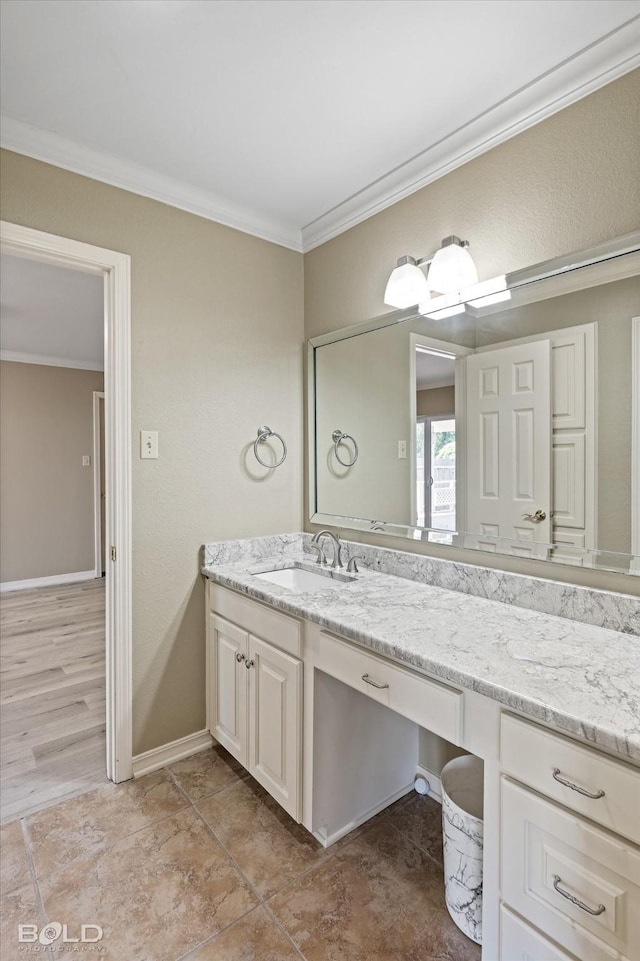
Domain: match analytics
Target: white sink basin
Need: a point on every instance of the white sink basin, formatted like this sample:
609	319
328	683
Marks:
301	579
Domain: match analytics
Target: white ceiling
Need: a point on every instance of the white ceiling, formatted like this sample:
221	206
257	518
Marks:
50	314
293	119
433	370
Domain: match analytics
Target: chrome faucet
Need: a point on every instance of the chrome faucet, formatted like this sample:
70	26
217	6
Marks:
336	563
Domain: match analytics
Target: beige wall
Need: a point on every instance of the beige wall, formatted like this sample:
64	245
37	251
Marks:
217	334
436	401
568	183
46	495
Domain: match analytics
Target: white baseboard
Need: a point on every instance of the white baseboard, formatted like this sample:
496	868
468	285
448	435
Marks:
47	581
326	840
169	753
435	785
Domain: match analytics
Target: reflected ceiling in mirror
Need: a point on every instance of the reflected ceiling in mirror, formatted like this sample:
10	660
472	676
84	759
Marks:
506	419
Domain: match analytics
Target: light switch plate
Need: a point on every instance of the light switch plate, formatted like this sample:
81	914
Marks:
149	444
402	449
86	460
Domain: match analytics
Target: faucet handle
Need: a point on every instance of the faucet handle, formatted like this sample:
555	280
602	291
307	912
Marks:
352	565
321	556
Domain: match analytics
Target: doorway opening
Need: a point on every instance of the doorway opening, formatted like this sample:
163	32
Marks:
436	471
112	269
437	391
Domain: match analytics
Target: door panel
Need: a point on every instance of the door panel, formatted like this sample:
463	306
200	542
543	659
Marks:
229	696
569	479
509	446
275	702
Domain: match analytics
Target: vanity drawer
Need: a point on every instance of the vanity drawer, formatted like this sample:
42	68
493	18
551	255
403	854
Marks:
279	629
429	703
520	942
572	880
532	754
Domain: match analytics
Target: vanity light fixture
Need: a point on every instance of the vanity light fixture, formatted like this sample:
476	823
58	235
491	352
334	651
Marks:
489	292
450	269
407	284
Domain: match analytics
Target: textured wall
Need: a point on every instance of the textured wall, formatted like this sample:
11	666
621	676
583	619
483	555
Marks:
435	401
217	333
46	495
563	185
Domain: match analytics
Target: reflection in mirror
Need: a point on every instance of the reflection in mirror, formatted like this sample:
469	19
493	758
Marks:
503	423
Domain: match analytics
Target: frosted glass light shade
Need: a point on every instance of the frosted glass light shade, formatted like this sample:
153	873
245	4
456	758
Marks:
407	285
452	268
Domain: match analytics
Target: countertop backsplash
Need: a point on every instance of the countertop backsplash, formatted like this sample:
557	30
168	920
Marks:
617	612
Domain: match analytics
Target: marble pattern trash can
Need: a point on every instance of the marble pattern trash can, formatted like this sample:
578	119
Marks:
462	829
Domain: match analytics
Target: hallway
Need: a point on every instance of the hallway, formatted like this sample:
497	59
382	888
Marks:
52	699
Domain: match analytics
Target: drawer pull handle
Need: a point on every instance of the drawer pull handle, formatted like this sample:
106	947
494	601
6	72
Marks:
239	657
575	787
584	907
368	680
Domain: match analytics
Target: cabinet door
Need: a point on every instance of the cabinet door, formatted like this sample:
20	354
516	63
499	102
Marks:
227	657
275	723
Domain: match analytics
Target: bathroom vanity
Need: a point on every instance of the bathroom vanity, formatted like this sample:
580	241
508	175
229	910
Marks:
323	692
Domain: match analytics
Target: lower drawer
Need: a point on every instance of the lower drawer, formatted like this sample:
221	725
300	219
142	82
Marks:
429	703
520	942
572	880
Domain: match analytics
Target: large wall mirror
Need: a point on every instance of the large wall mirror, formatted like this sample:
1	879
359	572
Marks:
506	421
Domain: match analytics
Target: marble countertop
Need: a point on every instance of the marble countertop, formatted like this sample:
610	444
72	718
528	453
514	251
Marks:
581	679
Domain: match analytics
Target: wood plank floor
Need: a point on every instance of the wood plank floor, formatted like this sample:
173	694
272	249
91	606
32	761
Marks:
52	695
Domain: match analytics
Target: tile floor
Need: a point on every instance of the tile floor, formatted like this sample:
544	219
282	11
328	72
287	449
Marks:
196	862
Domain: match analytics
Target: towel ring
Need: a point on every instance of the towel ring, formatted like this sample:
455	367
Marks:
337	437
264	433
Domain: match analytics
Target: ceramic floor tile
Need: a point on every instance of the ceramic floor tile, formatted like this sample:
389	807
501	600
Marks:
86	824
19	907
420	819
379	898
207	772
269	847
255	938
157	894
14	864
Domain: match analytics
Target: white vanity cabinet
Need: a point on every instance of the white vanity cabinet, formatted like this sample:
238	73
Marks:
254	671
561	872
569	864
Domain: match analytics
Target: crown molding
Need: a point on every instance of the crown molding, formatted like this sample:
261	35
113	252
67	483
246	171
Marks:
591	68
18	357
51	148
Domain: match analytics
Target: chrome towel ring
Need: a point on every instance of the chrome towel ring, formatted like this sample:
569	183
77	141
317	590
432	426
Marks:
337	437
264	433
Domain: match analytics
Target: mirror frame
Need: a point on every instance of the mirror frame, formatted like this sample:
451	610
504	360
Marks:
558	267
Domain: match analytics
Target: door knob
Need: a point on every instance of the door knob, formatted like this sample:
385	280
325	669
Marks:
535	518
248	665
239	657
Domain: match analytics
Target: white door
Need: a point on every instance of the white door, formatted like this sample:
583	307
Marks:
509	447
275	705
228	653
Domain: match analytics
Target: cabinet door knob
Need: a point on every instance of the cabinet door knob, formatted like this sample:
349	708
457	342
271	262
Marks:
248	665
239	657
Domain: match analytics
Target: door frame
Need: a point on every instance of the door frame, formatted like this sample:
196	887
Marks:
115	268
97	493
